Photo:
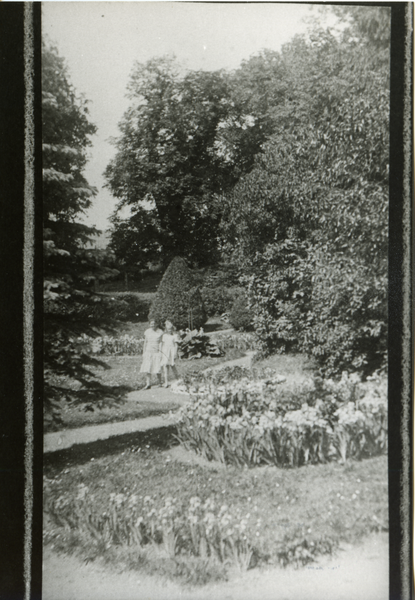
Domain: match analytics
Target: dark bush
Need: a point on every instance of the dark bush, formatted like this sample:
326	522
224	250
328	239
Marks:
216	300
241	316
195	344
225	275
177	299
135	306
332	307
121	307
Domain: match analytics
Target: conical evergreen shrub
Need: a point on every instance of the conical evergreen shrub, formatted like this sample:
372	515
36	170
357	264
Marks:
177	299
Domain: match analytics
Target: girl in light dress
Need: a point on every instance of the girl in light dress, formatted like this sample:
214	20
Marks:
151	364
168	350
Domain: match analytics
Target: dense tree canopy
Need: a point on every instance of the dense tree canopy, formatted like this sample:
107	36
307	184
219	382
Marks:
184	142
280	167
310	221
328	154
65	129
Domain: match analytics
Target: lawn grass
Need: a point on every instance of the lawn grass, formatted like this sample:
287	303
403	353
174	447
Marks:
130	408
323	504
125	371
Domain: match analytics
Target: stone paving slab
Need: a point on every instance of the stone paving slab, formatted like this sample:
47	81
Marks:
62	440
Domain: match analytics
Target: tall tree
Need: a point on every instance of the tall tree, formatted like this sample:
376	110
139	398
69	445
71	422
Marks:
172	160
69	267
317	197
65	129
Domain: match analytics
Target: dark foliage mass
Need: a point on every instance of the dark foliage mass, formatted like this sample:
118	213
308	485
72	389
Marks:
278	171
121	306
70	268
240	316
184	141
282	167
216	300
195	344
309	224
177	298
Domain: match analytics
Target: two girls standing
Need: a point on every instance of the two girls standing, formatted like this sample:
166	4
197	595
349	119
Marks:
159	352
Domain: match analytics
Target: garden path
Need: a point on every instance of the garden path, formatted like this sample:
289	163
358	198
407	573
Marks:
356	572
62	440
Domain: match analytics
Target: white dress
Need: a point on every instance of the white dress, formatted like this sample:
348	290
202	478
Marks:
168	349
151	354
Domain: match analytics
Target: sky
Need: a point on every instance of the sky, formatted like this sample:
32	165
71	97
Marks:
101	41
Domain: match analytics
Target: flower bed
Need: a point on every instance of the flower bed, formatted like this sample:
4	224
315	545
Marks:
145	508
248	420
111	345
196	529
193	344
241	340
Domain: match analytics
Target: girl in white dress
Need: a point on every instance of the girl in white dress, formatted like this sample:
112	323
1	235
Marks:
151	354
168	351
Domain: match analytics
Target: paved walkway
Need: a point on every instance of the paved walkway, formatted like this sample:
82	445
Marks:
355	573
62	440
245	361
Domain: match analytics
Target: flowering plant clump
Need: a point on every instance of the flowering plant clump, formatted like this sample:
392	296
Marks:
194	379
195	344
251	421
241	341
303	549
108	345
199	528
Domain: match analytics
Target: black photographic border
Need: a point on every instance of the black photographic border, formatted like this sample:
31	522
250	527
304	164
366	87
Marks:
21	413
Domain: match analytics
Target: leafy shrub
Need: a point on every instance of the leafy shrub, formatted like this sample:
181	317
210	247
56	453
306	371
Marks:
249	421
216	300
117	306
241	317
137	307
278	291
346	327
195	344
177	299
331	307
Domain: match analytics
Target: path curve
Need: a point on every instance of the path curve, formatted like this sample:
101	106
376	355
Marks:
61	440
356	573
